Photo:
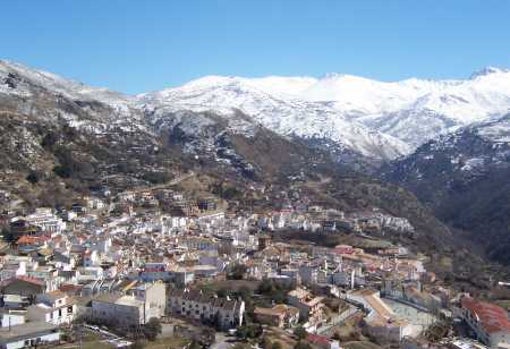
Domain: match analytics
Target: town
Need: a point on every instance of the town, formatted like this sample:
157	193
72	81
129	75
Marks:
157	265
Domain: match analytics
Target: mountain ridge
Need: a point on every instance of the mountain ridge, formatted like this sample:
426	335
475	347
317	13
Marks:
394	117
411	110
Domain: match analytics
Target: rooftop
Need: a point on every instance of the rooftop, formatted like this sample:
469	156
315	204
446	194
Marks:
129	301
30	328
492	317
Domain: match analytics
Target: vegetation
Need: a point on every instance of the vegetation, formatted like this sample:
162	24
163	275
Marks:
237	272
300	333
249	331
156	177
275	292
152	328
33	177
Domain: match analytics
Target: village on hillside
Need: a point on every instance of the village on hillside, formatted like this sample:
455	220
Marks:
158	269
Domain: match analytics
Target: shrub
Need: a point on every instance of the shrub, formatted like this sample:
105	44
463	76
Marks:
33	177
152	329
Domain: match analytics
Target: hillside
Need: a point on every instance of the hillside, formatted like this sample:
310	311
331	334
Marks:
62	139
463	177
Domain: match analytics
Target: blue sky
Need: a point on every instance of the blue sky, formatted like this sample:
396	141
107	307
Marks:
138	46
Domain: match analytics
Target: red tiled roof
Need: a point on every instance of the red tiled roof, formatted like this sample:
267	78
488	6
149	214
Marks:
492	317
28	240
29	279
69	287
317	339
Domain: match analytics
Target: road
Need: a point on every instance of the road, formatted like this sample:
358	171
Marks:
220	341
173	182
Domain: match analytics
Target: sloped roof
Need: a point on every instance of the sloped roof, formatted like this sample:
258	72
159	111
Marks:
492	317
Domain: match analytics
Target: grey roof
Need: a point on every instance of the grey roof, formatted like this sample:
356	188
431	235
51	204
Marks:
26	330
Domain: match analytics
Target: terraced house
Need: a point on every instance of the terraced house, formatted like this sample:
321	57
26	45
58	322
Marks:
225	313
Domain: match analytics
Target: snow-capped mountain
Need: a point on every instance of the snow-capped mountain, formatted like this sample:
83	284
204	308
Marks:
48	97
269	103
412	110
25	79
377	120
462	156
50	124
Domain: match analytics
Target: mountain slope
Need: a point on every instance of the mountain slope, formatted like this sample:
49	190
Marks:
412	110
286	116
416	110
62	139
463	176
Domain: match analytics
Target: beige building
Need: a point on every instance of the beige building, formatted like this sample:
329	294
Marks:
142	303
154	298
281	315
310	306
123	311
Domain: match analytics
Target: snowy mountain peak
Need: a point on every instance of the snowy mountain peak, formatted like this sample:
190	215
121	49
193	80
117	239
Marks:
19	79
489	70
373	118
272	102
412	110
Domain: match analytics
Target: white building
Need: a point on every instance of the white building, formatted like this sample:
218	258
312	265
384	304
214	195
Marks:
489	321
53	307
154	297
29	335
223	312
46	220
143	303
124	311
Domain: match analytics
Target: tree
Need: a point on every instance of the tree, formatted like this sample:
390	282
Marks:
8	235
266	287
62	171
249	331
237	272
152	329
300	332
245	293
222	292
242	332
33	177
49	140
